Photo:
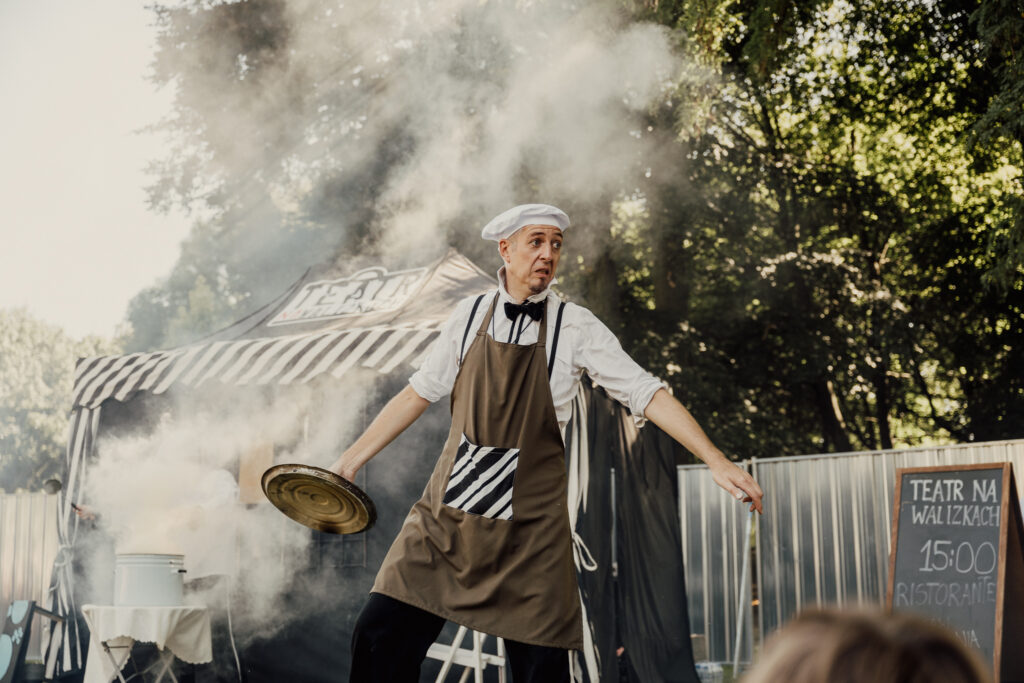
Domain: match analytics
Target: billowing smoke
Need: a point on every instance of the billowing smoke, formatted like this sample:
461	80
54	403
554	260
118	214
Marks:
486	91
563	112
175	491
395	129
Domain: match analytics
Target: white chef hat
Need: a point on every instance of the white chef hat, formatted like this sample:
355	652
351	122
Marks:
506	223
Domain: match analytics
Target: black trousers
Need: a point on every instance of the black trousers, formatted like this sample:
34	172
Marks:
391	639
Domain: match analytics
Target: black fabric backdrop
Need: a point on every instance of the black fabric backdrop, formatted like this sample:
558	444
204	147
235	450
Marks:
643	609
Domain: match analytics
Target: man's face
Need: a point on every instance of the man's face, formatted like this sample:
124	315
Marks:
531	257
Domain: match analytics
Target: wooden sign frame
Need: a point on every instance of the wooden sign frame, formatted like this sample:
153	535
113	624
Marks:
1009	626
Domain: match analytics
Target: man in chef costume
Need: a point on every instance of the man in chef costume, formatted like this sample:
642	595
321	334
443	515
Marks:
489	544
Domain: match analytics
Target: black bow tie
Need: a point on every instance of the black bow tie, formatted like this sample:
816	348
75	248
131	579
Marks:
534	309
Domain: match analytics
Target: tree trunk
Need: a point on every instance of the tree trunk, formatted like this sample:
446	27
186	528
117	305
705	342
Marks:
882	401
832	427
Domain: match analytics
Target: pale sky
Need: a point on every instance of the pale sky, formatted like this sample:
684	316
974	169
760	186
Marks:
77	240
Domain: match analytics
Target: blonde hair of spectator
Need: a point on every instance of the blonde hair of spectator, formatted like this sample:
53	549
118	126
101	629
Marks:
858	646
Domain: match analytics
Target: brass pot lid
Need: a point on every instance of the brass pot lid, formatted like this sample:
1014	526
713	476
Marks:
319	498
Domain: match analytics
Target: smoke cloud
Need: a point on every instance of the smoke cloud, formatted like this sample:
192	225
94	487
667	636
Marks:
175	491
486	90
397	128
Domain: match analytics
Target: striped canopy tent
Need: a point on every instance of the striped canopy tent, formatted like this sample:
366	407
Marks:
324	323
335	319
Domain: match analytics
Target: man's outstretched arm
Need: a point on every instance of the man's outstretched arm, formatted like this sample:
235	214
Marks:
400	412
675	420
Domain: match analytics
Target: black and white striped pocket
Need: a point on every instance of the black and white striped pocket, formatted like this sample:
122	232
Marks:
481	480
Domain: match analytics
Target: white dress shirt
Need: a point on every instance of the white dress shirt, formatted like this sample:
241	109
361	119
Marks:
584	343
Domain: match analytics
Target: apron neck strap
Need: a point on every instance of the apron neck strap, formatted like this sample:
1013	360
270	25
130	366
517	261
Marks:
487	316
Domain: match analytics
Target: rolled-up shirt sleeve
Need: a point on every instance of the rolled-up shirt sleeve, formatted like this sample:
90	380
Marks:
436	376
599	352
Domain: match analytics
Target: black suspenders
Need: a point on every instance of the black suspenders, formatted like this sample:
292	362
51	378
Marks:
554	341
469	323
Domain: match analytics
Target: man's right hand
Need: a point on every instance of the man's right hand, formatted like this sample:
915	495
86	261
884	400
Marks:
338	467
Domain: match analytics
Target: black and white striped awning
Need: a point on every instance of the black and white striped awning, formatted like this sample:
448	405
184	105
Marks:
275	360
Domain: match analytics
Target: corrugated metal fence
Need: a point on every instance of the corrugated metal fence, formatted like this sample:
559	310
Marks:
28	546
823	538
712	526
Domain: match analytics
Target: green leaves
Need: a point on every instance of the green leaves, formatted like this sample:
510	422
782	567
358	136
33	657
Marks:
37	362
845	230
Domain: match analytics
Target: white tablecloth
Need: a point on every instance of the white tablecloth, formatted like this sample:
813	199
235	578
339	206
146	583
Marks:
184	631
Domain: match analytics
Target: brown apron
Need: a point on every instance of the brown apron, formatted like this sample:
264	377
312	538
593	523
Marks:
489	544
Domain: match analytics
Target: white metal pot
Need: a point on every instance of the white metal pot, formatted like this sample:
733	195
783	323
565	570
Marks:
149	580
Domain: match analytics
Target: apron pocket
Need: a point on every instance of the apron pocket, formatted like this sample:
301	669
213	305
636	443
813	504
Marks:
481	480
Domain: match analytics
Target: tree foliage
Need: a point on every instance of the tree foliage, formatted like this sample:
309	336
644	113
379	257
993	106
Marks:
825	253
834	253
37	362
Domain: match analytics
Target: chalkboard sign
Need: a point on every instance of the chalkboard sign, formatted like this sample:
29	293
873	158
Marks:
956	531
